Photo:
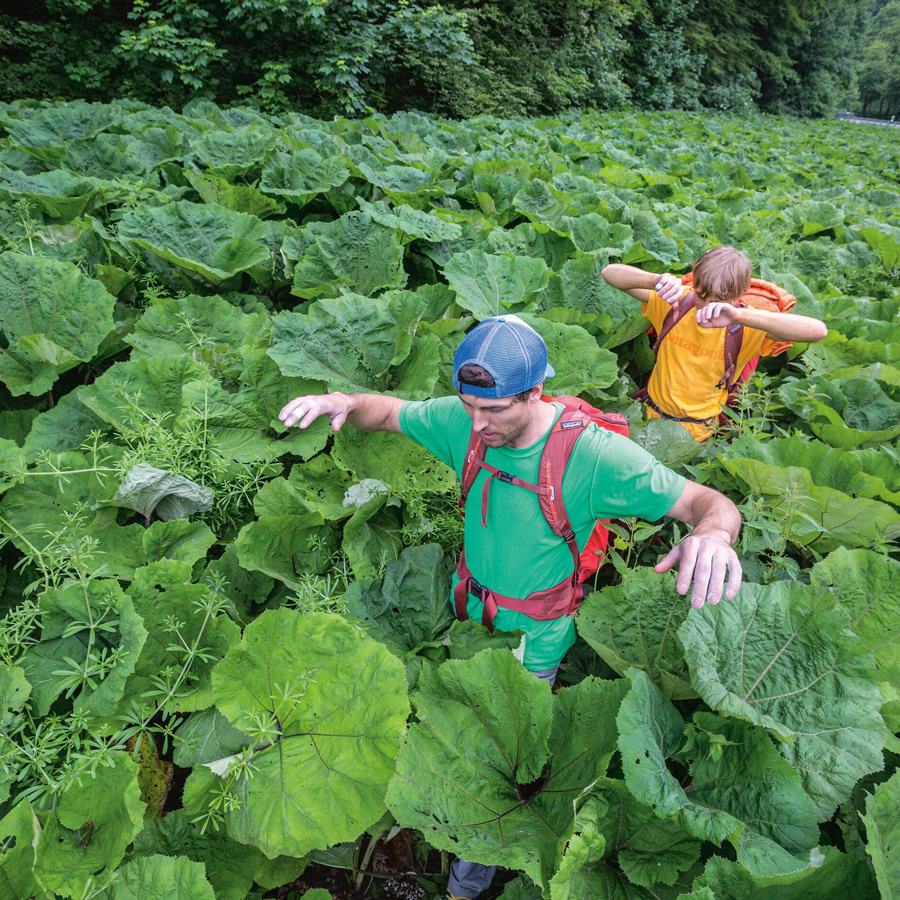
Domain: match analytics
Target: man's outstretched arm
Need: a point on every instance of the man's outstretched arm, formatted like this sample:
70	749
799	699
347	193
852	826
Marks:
367	412
639	283
705	556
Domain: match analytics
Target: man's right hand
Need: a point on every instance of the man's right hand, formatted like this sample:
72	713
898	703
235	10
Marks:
303	411
669	287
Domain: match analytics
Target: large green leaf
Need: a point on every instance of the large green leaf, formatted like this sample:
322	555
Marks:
885	241
784	658
19	831
232	154
413	223
302	175
47	132
883	835
860	473
163	878
504	793
867	585
821	517
353	253
52	317
834	874
489	285
209	240
392	459
59	194
648	849
96	819
204	737
148	491
352	343
740	789
66	645
410	604
634	624
846	413
372	536
228	865
288	539
210	329
582	367
335	704
173	613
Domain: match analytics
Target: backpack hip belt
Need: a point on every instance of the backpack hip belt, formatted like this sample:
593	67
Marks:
552	603
564	598
643	395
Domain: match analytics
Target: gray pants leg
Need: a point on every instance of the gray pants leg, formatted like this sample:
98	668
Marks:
470	879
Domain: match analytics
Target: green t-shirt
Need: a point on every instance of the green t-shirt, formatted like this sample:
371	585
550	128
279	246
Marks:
608	477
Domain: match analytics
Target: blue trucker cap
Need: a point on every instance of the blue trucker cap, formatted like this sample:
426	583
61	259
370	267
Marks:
513	352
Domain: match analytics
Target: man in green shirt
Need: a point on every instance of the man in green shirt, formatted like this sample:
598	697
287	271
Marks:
499	370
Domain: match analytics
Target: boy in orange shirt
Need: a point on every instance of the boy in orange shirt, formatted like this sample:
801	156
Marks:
687	383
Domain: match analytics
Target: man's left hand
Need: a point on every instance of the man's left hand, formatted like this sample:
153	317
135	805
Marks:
704	560
717	315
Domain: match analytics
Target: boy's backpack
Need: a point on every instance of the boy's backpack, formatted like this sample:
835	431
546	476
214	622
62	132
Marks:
565	597
760	295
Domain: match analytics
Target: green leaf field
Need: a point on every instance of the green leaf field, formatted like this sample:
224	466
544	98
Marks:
229	666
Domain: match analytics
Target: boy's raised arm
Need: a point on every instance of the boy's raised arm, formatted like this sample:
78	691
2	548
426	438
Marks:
639	283
367	412
777	326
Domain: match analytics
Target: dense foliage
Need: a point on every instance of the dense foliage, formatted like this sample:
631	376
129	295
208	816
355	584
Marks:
457	58
214	630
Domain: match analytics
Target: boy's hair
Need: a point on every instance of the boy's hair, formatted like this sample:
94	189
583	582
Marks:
722	274
472	373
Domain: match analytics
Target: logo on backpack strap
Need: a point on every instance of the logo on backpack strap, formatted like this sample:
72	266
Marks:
735	328
578	423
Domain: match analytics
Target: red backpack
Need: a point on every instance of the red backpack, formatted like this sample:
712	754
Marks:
565	597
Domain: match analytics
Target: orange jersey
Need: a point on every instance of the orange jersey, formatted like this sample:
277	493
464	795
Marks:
690	364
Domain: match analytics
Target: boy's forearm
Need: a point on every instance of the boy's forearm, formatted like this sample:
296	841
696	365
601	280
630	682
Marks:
783	326
627	278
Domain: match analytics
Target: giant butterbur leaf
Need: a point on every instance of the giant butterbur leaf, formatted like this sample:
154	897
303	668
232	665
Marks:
847	413
48	132
232	154
634	624
411	603
581	366
302	175
52	317
414	223
504	794
96	819
740	789
489	285
149	491
813	515
162	593
161	877
335	702
351	343
288	539
59	194
353	253
204	238
784	658
19	830
67	644
883	835
867	585
834	874
228	865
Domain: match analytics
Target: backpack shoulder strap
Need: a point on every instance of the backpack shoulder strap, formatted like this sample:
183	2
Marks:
734	340
471	466
677	312
554	459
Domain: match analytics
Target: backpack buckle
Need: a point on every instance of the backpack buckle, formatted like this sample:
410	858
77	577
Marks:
476	589
505	477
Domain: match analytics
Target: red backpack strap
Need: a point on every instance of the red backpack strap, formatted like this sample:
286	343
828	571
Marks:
679	309
471	466
734	339
554	459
